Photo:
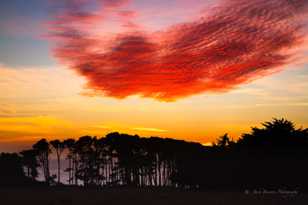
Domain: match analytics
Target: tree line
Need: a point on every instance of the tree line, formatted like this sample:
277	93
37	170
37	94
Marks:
274	155
116	159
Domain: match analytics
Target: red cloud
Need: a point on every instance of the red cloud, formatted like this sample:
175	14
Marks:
241	41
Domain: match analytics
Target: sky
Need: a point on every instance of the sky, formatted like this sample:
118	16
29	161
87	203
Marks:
186	69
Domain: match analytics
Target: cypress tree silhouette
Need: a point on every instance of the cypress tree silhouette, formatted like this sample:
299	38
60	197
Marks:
43	150
59	148
71	157
29	161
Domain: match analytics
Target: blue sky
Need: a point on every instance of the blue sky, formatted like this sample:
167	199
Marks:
21	34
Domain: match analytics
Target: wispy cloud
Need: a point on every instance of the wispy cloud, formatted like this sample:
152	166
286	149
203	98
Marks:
148	129
231	45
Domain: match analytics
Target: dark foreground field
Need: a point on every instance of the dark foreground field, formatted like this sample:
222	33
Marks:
75	196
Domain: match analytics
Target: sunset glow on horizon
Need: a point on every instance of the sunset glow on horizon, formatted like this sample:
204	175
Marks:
186	69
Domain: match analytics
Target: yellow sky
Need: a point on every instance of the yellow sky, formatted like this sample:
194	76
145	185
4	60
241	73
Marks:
50	102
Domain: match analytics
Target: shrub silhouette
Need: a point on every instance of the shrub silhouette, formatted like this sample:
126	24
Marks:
11	172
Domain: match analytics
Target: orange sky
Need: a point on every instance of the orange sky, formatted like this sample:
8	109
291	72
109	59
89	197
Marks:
34	105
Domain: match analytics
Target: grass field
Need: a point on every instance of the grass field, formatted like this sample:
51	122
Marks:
76	196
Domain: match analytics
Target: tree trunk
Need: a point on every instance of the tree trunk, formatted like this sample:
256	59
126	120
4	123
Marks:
58	158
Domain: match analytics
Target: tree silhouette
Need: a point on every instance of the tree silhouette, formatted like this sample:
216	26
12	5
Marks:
86	167
59	148
276	133
70	144
43	150
29	161
224	141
